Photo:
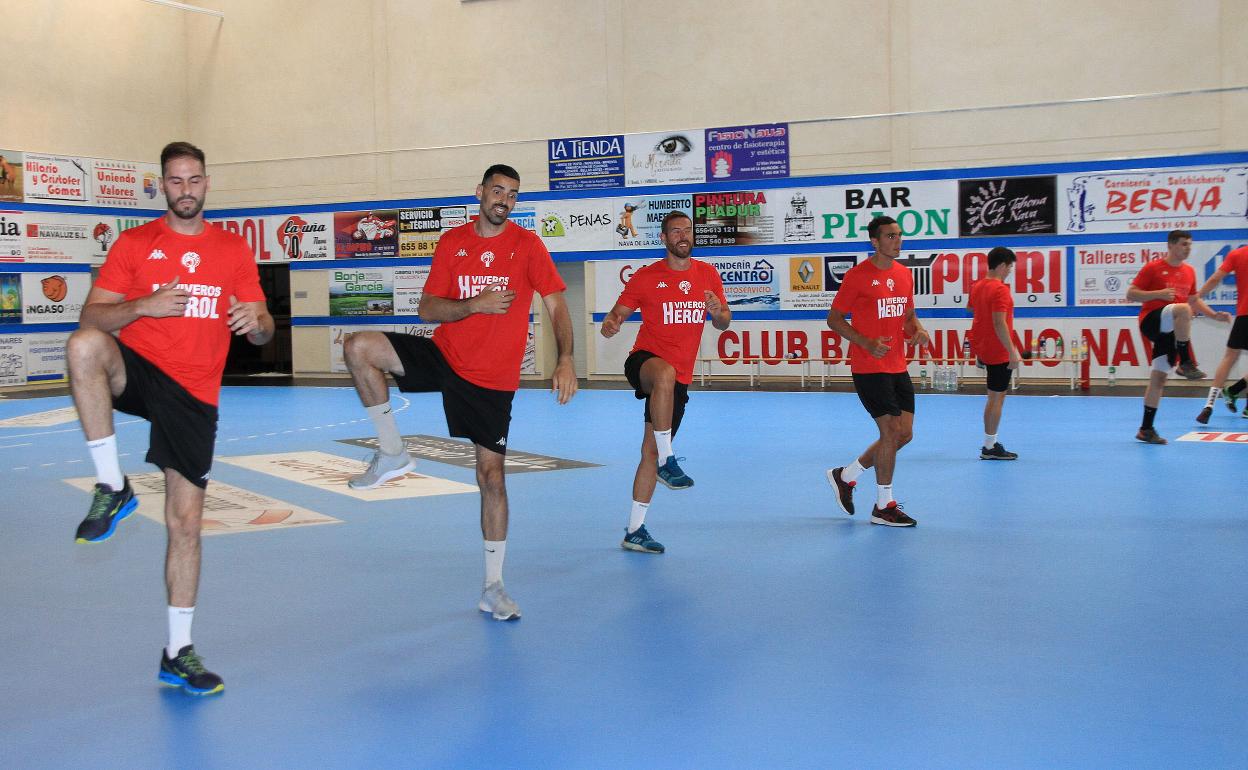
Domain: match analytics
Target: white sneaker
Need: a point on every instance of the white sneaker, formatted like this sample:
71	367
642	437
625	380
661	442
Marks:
381	469
494	599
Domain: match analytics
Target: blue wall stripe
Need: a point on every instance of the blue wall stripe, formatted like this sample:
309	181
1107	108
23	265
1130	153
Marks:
44	267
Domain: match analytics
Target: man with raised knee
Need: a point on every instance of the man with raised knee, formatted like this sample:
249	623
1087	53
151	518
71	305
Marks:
152	342
1236	263
674	295
480	290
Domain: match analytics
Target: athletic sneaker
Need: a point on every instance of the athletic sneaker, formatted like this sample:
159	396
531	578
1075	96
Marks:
844	490
1229	399
1190	371
381	469
997	452
187	671
1149	436
107	508
891	515
1245	412
1205	414
494	599
640	540
672	476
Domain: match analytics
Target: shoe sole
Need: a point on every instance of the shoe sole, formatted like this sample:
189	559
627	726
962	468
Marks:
640	548
1203	417
387	476
836	494
1160	442
670	486
994	457
126	509
173	680
882	522
496	616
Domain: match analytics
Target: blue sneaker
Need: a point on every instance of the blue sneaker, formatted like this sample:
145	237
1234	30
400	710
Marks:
672	476
187	671
640	540
1229	399
108	506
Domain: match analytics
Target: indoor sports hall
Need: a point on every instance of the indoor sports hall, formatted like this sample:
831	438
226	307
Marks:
1078	606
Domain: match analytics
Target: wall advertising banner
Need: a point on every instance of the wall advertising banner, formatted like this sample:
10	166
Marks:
734	218
1139	201
812	280
639	220
923	209
53	297
944	278
10	298
1103	272
12	245
669	157
254	230
45	357
104	232
420	229
57	179
750	283
56	237
12	187
12	358
366	234
409	285
361	291
300	237
123	183
578	225
1021	205
586	163
747	152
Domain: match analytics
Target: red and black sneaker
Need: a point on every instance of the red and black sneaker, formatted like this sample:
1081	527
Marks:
844	490
891	515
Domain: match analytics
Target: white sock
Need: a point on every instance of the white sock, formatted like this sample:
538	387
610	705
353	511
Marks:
179	629
1213	396
851	472
883	495
638	516
107	466
387	431
990	440
664	439
495	550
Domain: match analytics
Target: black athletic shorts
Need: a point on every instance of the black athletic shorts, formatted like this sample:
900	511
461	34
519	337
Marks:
883	393
481	415
184	429
998	376
632	372
1239	332
1164	343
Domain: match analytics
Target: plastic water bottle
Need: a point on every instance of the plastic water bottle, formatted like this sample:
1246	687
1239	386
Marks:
1060	347
966	348
953	379
1035	347
923	378
1111	378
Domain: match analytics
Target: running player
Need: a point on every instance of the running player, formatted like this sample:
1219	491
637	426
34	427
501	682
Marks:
1167	289
1236	262
172	290
879	294
992	340
480	289
674	295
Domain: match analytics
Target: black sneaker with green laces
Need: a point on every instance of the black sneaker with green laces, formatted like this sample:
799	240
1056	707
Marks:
107	508
187	671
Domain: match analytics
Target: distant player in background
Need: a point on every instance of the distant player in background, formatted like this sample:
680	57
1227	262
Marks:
674	296
992	341
1236	262
879	295
1167	289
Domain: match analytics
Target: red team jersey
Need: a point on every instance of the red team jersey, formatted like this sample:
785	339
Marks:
1160	274
486	349
212	267
878	300
989	296
1236	264
673	311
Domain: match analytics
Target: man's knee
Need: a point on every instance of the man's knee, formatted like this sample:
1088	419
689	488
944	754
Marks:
364	349
903	437
491	477
87	346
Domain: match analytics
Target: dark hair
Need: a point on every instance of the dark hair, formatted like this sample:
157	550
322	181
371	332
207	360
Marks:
1177	235
669	217
873	227
1000	255
180	150
499	168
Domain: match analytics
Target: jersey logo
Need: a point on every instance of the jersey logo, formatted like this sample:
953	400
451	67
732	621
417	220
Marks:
190	260
684	287
487	258
890	284
157	254
461	253
502	441
875	282
661	285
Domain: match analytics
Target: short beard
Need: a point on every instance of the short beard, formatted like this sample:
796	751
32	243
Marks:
199	206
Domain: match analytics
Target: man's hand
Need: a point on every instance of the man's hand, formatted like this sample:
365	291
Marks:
1223	317
564	382
1015	358
713	305
493	301
878	347
1167	294
243	317
168	301
919	338
610	326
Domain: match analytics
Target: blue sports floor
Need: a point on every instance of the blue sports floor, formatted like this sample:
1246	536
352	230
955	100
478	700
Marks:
1082	607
